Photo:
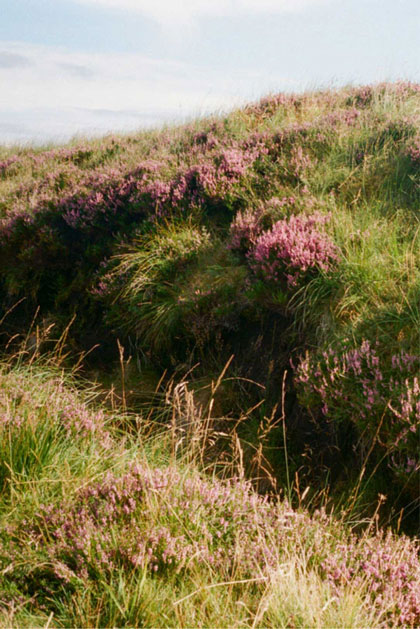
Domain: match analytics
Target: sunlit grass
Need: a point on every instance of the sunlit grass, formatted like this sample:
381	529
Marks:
131	238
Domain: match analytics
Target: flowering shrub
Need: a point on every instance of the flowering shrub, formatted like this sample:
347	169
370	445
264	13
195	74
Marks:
374	563
23	406
112	523
348	117
159	521
293	248
106	197
6	163
234	162
363	96
250	223
213	176
380	396
245	229
269	105
195	183
300	161
205	139
413	151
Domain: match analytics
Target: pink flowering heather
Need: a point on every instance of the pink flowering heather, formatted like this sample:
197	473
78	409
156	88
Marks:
300	161
366	388
292	248
205	140
212	176
23	406
6	163
75	154
348	117
160	193
384	567
158	520
245	229
106	198
413	151
247	225
84	197
198	180
282	205
78	420
404	88
113	523
234	162
363	96
267	106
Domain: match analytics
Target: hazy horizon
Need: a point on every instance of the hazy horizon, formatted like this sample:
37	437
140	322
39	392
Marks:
91	67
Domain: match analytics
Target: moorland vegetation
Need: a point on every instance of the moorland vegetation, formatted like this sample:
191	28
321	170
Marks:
209	383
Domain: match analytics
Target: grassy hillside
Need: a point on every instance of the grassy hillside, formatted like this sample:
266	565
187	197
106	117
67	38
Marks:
246	289
110	519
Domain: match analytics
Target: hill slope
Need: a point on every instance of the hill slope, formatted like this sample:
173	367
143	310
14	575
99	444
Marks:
285	234
264	268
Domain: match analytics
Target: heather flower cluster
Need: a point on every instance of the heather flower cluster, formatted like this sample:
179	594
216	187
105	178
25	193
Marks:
6	163
108	195
250	223
292	248
348	117
214	175
206	139
300	161
413	151
245	229
158	520
23	407
295	145
363	96
78	420
267	106
104	197
376	563
113	523
374	392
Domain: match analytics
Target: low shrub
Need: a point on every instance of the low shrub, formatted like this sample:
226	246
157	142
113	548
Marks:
167	526
293	249
379	394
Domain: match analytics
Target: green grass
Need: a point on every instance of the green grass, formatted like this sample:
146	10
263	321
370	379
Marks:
293	589
129	238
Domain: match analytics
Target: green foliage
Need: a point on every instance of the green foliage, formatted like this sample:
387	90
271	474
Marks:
150	239
179	285
218	550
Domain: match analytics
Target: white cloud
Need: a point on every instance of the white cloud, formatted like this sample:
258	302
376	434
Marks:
59	93
168	12
10	60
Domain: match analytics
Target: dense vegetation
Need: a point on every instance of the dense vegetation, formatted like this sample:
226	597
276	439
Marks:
246	290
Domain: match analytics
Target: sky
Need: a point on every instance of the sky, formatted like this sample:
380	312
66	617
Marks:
87	67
